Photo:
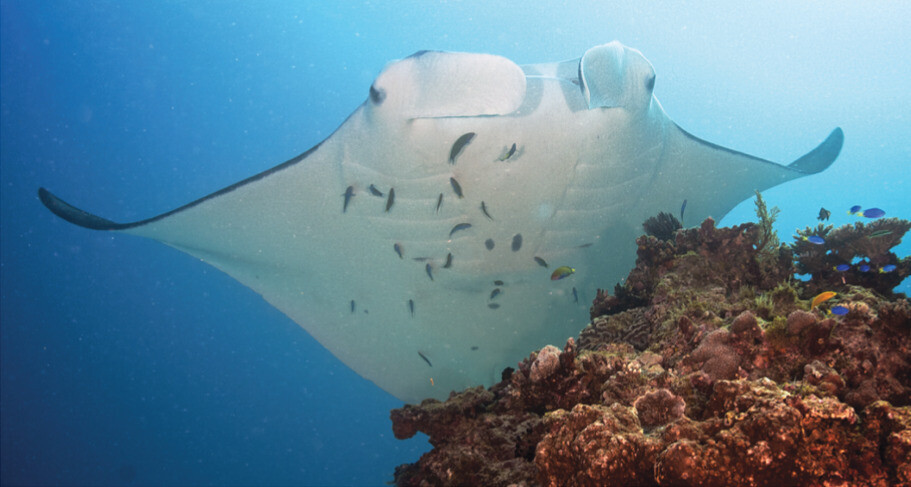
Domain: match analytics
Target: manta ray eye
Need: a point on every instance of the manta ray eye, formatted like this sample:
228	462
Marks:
650	83
377	96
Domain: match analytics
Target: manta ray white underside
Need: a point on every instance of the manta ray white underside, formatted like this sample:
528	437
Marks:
412	242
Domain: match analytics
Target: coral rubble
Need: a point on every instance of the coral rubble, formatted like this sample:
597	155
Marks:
708	366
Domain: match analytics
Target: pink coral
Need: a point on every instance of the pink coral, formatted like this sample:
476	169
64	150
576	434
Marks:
545	364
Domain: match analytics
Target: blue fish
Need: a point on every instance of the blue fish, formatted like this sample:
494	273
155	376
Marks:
390	200
842	267
456	187
460	226
863	268
682	209
349	193
375	192
854	210
873	213
839	310
484	210
459	144
398	250
887	268
815	239
516	242
425	358
429	271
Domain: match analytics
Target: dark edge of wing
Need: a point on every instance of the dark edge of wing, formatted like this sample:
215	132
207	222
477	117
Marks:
94	222
76	216
812	162
822	156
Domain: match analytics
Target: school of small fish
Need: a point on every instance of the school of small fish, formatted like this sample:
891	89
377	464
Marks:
430	263
862	266
563	272
855	210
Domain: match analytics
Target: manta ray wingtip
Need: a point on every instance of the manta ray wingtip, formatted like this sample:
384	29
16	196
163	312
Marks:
74	215
820	158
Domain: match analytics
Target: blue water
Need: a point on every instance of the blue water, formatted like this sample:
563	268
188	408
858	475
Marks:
127	362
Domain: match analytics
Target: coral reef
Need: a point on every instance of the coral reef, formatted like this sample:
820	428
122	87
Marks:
706	367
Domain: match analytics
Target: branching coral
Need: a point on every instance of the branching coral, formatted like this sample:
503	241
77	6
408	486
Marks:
853	255
767	242
662	226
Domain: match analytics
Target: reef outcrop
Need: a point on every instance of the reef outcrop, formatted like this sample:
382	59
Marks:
708	366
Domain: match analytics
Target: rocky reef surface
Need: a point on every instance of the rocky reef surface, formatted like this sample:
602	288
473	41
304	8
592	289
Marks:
708	366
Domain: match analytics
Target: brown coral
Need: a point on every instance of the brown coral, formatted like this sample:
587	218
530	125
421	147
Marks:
595	445
705	368
716	357
798	320
659	407
745	432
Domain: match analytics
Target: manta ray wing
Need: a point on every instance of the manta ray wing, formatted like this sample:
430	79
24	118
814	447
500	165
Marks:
420	254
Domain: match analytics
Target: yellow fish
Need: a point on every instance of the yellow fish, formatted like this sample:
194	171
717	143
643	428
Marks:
561	272
508	154
821	298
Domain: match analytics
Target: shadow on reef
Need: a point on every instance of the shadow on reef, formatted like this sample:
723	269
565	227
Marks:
708	366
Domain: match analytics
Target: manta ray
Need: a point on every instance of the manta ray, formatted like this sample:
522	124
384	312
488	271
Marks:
465	214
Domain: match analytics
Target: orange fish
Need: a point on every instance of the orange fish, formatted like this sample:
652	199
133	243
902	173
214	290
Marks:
821	298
